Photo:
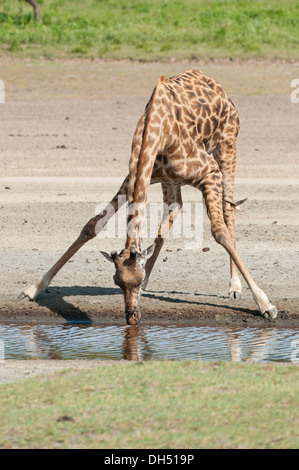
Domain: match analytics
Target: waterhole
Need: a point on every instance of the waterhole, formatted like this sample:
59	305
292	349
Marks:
154	342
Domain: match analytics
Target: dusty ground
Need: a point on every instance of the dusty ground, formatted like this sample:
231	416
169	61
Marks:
13	369
65	138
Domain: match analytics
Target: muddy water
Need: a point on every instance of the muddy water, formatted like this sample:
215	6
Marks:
101	341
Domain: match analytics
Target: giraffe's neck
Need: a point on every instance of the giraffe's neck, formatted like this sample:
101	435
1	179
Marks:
135	225
143	159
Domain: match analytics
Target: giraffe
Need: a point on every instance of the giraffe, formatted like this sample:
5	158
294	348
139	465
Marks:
186	136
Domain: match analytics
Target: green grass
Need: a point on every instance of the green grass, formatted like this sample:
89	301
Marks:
154	405
151	29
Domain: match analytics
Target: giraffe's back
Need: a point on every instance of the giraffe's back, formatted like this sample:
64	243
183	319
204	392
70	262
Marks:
189	115
198	107
193	112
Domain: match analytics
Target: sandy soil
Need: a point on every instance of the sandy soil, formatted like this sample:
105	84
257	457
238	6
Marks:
65	137
13	369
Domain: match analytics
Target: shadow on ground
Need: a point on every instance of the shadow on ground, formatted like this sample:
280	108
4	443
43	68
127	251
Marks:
55	299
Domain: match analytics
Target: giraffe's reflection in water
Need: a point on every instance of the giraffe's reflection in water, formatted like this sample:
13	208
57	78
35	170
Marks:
146	342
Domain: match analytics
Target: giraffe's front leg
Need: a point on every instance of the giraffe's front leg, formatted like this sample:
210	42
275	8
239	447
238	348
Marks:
89	231
213	196
222	236
266	308
172	198
225	154
235	286
33	291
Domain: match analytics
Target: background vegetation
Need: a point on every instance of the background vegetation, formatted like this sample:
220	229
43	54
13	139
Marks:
167	404
151	29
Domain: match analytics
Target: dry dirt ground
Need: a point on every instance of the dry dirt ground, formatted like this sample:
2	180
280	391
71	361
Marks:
15	369
65	138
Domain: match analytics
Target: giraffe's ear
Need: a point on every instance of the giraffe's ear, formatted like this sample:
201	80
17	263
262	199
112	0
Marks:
149	251
111	257
238	203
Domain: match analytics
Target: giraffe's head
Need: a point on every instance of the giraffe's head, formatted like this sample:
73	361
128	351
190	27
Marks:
129	275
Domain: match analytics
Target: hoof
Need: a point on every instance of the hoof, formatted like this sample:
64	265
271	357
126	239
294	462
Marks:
235	295
23	296
271	314
32	292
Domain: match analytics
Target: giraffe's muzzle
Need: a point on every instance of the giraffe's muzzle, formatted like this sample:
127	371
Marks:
133	318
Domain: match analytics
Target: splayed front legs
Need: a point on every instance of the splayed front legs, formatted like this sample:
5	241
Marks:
88	233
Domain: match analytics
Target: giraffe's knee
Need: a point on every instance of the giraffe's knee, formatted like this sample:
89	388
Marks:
221	236
88	231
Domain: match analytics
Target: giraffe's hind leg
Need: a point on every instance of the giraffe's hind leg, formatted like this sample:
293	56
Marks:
225	154
213	193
